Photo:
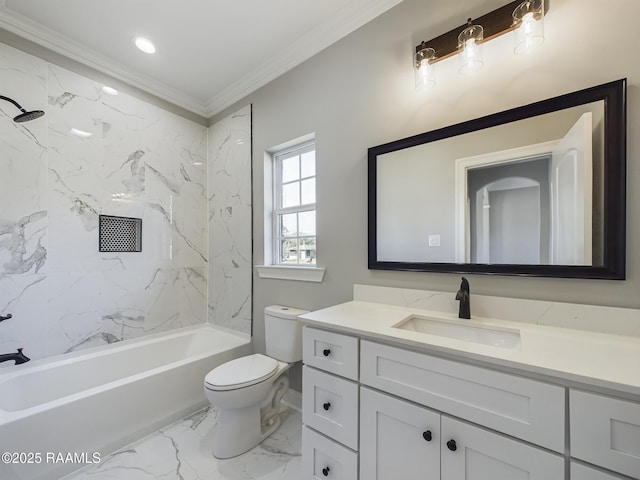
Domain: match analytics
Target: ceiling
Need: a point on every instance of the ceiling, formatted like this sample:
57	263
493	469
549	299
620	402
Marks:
210	53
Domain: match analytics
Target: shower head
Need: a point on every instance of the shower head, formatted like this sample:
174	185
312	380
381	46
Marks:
24	116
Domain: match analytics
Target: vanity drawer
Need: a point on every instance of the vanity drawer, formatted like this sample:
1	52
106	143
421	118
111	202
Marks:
523	408
605	431
323	459
330	405
332	352
582	472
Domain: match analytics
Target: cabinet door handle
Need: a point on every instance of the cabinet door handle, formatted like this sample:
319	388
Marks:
326	352
451	445
327	406
325	471
427	435
2	319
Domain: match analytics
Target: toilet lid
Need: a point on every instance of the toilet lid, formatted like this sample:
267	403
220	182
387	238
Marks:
241	372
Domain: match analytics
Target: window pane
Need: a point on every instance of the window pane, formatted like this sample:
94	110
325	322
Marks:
308	191
289	225
291	195
289	250
290	169
308	164
308	250
308	223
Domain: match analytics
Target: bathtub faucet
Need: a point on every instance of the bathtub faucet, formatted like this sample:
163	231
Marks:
18	357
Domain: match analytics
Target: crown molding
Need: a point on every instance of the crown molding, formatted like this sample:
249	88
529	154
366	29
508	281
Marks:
349	19
35	32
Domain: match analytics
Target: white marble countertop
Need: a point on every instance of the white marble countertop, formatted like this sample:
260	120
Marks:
587	358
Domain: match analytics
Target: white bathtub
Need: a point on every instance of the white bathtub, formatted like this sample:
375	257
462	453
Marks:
101	399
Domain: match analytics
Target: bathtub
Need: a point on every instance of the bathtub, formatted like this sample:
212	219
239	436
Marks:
61	413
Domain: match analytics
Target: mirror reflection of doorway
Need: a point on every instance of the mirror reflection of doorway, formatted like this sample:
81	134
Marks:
509	216
508	222
528	205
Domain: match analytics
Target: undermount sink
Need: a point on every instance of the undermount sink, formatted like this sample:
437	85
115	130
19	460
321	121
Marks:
463	330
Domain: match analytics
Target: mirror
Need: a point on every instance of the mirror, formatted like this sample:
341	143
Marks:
536	190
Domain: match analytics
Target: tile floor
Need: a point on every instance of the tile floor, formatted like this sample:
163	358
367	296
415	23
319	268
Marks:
182	451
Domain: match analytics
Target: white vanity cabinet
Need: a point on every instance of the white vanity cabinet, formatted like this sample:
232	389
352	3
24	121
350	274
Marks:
523	408
399	439
399	413
605	431
330	403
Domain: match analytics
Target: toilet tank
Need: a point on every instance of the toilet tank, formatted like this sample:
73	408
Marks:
283	333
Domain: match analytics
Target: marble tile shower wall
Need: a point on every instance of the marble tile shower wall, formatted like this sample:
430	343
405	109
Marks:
230	236
141	161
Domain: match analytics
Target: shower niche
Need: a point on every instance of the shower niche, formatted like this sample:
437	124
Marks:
119	234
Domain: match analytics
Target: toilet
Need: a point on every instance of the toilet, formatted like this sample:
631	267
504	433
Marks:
247	391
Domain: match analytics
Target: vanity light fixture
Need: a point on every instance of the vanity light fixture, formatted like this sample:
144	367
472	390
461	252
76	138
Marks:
470	48
523	17
425	71
528	23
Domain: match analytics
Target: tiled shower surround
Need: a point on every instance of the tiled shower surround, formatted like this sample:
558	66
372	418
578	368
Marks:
230	247
140	161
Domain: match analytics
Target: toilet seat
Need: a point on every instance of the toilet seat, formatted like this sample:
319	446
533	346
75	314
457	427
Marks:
241	372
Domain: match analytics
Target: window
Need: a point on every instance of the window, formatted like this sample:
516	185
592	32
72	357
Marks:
294	213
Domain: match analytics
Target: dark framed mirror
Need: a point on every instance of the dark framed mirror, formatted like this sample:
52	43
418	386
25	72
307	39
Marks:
537	190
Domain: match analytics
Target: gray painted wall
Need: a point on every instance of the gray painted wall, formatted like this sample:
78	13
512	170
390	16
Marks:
360	93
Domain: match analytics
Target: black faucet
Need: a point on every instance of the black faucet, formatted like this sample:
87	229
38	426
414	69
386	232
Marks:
18	357
465	300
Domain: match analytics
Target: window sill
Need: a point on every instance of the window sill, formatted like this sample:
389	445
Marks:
284	272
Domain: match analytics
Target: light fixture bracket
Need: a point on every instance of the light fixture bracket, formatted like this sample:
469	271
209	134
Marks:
495	23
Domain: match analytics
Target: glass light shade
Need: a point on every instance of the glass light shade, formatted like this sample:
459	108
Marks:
425	71
470	49
528	22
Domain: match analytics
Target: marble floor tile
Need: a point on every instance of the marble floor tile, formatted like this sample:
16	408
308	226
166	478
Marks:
183	451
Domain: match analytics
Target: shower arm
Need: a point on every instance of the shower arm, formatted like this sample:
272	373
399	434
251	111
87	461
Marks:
2	97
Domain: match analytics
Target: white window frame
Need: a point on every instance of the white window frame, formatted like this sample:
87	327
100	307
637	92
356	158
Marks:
272	269
278	158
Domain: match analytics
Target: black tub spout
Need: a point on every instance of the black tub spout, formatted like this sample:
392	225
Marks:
17	357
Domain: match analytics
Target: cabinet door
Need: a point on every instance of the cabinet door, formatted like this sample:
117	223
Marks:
470	452
331	352
582	472
606	432
398	440
325	459
330	405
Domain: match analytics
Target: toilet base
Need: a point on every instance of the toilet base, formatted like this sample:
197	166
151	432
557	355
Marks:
241	429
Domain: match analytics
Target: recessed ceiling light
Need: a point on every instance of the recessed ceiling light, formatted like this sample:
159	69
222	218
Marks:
109	90
145	45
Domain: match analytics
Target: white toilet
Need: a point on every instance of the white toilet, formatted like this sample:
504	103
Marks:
247	391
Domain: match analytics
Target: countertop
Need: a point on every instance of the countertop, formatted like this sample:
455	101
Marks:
574	357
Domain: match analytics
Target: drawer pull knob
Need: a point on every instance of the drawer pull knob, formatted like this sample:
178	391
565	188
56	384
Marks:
325	471
326	352
427	435
451	445
327	406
